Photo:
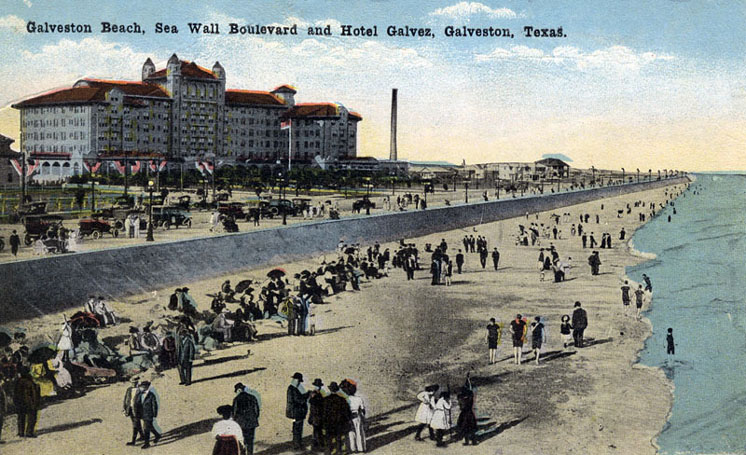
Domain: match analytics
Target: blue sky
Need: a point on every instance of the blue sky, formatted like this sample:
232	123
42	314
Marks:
636	83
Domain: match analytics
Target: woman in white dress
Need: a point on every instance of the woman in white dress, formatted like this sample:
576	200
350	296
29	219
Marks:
441	421
425	411
65	343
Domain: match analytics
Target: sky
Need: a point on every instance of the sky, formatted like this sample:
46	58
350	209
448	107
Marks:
634	84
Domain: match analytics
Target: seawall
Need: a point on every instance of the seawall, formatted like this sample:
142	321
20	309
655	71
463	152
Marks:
46	285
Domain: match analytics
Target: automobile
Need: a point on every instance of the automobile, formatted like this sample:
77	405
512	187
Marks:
263	207
38	225
184	202
234	209
96	228
278	206
118	216
171	216
301	203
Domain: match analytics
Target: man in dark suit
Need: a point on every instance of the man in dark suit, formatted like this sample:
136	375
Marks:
129	410
579	324
246	413
495	257
146	408
27	399
297	408
459	261
337	419
185	356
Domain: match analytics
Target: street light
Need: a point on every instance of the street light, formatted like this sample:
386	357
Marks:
650	175
151	188
466	190
638	175
282	199
622	176
93	196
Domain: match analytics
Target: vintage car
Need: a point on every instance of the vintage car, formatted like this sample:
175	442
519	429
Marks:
362	204
38	225
171	217
301	203
233	209
32	208
278	206
95	228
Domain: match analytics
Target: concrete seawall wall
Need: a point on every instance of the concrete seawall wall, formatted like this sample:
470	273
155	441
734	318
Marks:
50	284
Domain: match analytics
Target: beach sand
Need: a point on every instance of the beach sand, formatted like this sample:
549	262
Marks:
394	337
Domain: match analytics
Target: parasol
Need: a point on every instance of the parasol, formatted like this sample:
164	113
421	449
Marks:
83	320
43	352
276	272
243	285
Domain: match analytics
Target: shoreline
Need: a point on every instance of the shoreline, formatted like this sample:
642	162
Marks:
577	399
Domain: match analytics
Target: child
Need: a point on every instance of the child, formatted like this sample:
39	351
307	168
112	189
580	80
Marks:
566	330
449	272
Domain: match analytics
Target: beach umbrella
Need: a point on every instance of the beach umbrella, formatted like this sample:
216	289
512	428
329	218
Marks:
43	352
83	320
276	272
243	285
6	336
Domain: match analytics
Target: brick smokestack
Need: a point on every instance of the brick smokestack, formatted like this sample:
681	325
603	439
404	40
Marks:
392	153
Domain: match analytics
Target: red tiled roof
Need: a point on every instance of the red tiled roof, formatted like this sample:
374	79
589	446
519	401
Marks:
285	87
188	69
317	110
251	97
128	87
92	91
64	96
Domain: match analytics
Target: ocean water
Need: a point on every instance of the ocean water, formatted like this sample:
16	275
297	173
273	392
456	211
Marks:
698	290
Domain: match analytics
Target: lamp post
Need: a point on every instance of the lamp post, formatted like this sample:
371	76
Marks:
650	175
466	191
593	178
659	174
622	176
638	175
151	188
282	198
497	193
93	196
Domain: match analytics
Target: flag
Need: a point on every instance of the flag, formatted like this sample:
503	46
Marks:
17	166
209	167
136	167
286	124
204	166
32	167
160	165
92	168
119	166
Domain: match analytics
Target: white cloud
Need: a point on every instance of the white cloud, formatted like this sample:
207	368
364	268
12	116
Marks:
14	23
619	58
65	62
464	10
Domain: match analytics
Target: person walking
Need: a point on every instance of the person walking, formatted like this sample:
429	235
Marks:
494	335
315	411
441	420
579	324
147	404
297	408
648	284
337	420
595	262
185	356
538	337
459	261
27	401
128	408
495	258
425	411
15	242
483	256
625	297
517	330
466	424
670	345
565	330
639	300
246	410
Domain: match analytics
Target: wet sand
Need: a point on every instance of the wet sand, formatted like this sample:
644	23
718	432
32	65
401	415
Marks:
394	337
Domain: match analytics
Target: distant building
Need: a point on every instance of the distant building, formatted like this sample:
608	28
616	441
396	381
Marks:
9	176
183	111
542	170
